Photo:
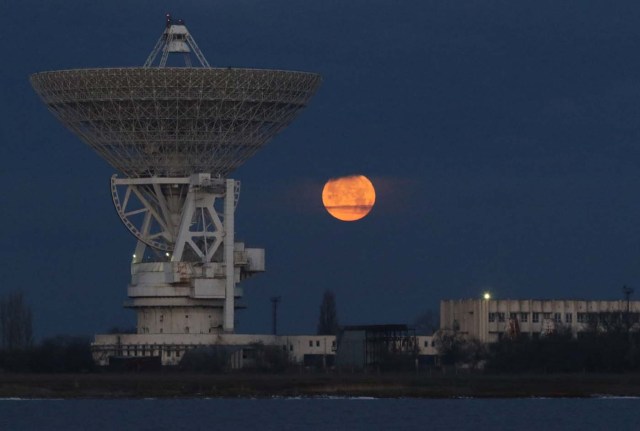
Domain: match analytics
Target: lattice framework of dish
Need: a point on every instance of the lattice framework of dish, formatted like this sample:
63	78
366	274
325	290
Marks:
173	122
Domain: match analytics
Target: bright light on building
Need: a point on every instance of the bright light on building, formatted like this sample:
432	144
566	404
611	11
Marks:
486	295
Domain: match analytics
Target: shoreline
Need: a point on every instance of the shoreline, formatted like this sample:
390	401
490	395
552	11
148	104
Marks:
175	385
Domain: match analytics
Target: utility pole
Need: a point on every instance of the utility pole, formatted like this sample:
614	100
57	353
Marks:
274	314
628	291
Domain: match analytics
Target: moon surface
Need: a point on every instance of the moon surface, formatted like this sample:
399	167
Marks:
349	198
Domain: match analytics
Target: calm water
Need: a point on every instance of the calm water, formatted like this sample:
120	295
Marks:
322	414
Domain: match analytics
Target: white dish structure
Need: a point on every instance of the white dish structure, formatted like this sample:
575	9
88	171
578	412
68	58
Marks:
176	133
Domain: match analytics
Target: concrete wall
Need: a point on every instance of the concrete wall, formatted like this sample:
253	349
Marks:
179	320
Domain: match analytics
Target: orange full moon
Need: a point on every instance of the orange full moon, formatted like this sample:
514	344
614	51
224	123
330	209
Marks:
349	198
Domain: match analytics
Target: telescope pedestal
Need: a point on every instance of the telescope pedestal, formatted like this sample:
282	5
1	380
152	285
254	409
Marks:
186	264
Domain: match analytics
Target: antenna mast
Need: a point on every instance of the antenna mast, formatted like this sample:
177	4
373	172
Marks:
274	314
628	291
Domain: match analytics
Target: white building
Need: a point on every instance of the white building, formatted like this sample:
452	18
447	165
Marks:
170	348
426	345
489	319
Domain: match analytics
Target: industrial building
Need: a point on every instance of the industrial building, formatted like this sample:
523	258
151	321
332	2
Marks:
489	319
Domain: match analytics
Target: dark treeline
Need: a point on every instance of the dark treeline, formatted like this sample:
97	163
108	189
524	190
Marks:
554	353
257	357
61	354
18	352
609	342
328	316
65	354
560	352
16	331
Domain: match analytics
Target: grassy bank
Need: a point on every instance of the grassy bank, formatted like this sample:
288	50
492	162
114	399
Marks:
260	385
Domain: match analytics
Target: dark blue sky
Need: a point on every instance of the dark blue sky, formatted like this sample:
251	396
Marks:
502	137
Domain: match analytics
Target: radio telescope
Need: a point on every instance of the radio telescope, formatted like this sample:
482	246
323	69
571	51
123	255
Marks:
175	134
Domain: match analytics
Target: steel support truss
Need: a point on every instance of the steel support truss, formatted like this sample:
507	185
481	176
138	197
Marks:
182	220
182	216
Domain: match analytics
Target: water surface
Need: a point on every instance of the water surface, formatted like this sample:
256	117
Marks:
539	414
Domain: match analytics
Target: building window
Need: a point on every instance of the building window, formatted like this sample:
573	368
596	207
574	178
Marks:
161	330
582	317
433	343
186	329
500	317
513	316
546	315
162	317
317	343
524	317
333	344
291	347
177	353
568	318
492	317
535	317
310	343
557	317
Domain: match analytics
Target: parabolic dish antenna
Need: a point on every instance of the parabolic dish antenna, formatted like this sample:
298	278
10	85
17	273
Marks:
176	133
175	121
